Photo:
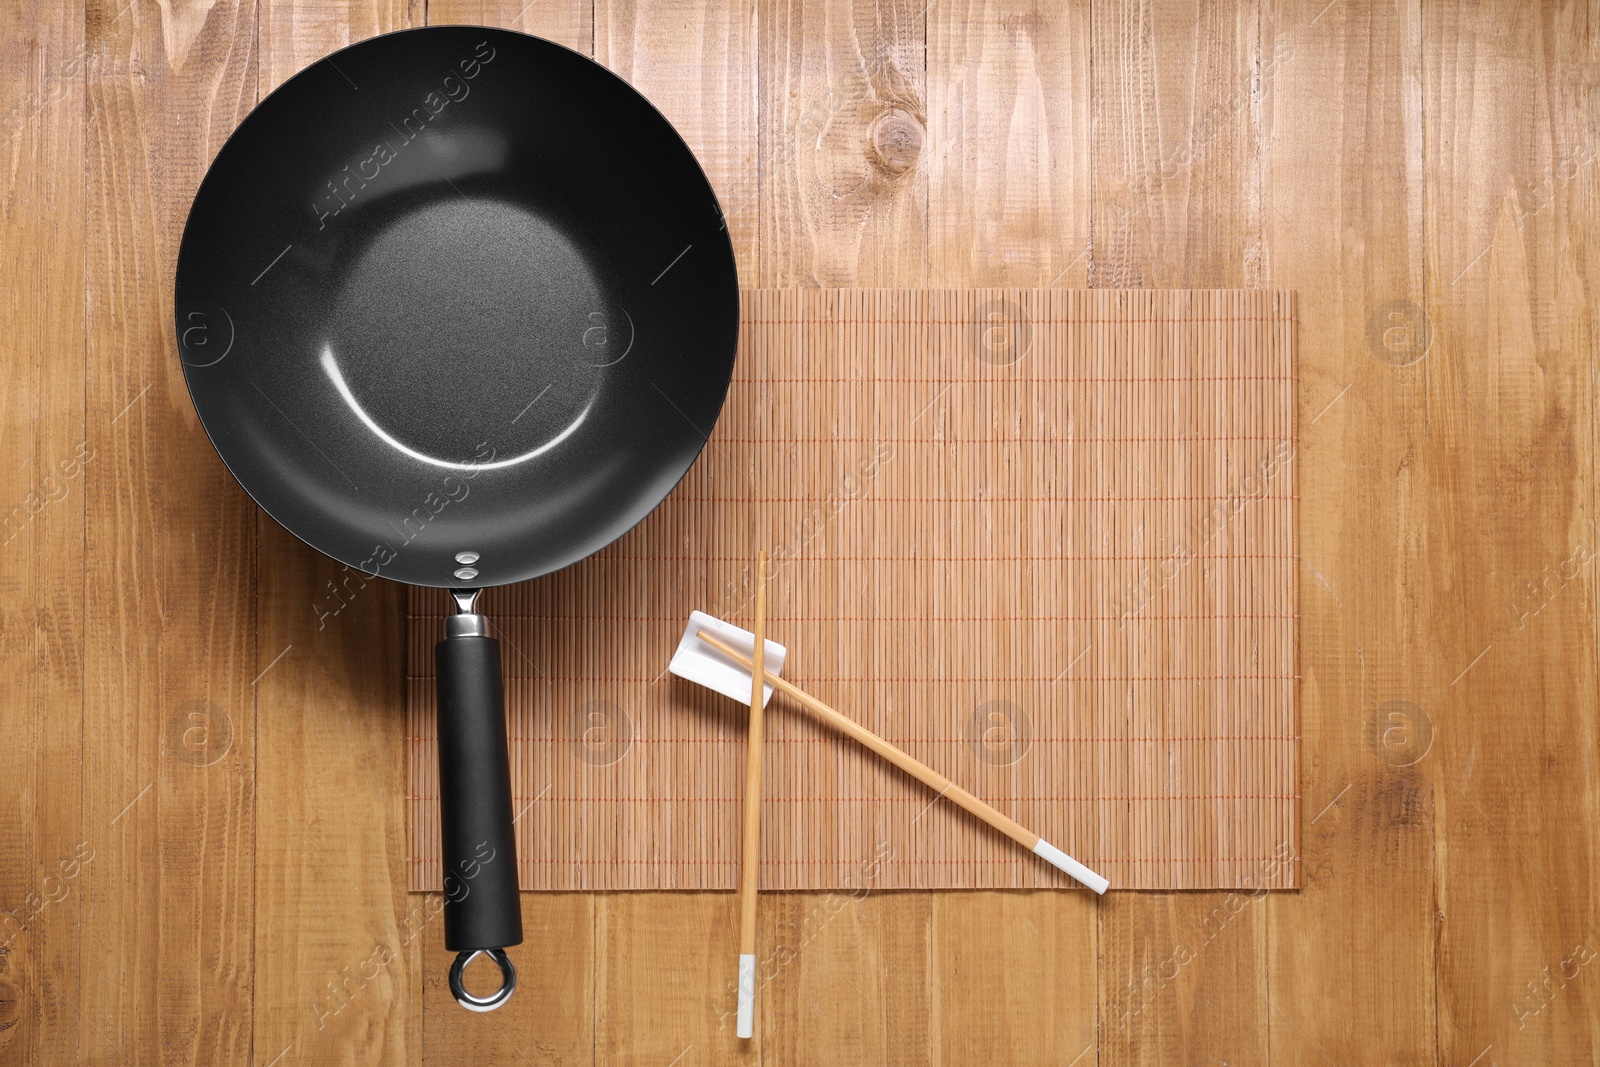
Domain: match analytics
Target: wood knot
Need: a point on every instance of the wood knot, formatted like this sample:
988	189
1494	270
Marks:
10	1009
895	137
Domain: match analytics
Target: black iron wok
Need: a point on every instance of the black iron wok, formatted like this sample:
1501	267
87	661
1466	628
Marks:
457	307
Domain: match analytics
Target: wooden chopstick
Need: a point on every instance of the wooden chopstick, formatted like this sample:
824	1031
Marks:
921	771
750	870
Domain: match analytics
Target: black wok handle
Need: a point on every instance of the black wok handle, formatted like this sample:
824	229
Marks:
481	910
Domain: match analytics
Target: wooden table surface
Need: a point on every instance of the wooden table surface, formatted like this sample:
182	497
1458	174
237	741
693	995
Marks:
202	849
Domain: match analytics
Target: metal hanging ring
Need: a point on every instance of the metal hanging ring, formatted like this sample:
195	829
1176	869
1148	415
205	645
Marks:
508	980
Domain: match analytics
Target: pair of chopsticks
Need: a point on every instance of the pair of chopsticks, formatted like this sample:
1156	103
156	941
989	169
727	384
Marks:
855	731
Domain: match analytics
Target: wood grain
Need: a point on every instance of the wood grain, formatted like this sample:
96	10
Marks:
43	451
1008	144
843	199
292	36
568	22
1367	821
1509	481
851	978
169	743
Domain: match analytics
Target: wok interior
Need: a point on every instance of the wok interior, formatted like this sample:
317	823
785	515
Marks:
457	293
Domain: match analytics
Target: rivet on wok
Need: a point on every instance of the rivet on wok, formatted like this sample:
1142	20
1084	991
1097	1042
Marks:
467	558
466	574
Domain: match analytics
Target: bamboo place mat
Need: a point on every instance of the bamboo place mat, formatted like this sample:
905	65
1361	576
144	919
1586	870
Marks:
1044	540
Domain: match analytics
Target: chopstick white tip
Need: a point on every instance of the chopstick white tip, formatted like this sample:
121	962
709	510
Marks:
1060	859
747	996
698	662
